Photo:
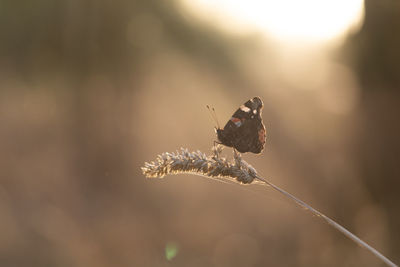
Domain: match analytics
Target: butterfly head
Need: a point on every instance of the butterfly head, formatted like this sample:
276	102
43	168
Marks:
221	135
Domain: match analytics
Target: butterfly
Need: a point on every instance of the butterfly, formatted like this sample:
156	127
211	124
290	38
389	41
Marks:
245	130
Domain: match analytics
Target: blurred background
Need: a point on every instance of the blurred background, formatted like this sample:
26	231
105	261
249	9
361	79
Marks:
90	90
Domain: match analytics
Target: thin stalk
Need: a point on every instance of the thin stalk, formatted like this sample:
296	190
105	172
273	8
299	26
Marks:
334	224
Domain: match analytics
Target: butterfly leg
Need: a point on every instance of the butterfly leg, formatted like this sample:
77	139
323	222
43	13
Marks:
216	142
236	154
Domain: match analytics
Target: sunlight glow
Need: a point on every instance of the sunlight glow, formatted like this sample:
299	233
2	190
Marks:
285	19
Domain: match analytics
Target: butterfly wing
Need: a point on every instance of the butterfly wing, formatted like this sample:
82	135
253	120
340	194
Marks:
245	130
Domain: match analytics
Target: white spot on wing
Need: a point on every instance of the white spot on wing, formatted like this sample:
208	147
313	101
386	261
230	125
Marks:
255	111
238	123
244	108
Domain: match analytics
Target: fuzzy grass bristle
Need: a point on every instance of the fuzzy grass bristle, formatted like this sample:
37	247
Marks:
199	163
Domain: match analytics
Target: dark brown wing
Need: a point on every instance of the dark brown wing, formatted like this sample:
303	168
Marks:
249	137
245	130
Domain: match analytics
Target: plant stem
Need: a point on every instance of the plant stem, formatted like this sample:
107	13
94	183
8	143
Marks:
337	226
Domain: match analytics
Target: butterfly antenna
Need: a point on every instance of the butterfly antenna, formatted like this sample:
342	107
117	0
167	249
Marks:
213	115
216	118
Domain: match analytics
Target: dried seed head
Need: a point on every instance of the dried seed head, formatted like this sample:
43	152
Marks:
199	163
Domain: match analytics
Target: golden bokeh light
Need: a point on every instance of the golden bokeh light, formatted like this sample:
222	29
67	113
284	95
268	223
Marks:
284	20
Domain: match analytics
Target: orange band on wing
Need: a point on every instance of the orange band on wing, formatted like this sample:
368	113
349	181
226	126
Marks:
234	120
261	136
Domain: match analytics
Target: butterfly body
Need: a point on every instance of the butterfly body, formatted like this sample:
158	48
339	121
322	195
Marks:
245	130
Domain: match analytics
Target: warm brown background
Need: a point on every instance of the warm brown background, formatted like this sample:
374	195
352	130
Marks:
89	90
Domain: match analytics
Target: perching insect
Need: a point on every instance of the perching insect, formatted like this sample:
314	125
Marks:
245	130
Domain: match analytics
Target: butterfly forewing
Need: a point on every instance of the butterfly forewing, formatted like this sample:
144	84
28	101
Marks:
245	130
